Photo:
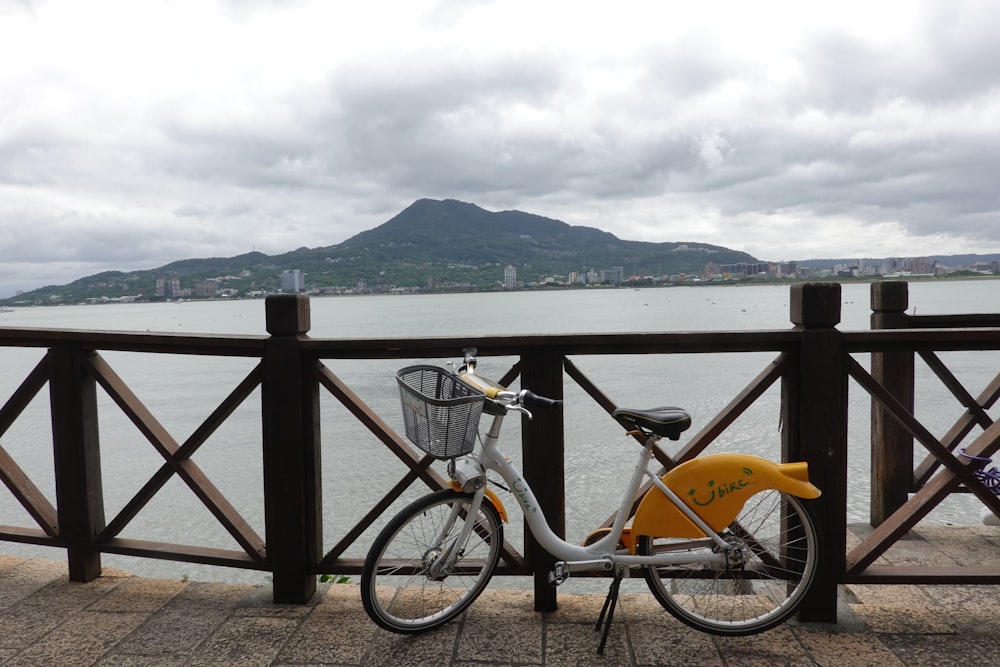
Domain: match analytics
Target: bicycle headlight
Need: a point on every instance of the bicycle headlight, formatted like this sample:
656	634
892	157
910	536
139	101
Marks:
468	472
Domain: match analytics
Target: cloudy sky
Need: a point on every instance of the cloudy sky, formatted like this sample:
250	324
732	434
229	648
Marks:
135	133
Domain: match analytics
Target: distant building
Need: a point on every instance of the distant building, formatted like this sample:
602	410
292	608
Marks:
613	275
747	270
168	287
292	281
789	269
206	288
510	277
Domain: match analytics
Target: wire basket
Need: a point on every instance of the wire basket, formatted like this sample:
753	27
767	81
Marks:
440	412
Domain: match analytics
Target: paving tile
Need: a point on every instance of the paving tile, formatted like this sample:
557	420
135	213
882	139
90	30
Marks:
644	608
575	645
7	561
913	549
962	546
20	628
829	644
335	632
171	632
185	621
499	638
48	606
506	603
904	595
576	608
920	650
244	641
119	660
910	545
216	595
81	640
976	621
775	647
23	577
430	649
259	602
884	619
672	644
70	596
137	594
964	596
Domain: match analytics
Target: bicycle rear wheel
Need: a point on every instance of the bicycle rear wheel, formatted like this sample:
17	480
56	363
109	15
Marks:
776	549
404	587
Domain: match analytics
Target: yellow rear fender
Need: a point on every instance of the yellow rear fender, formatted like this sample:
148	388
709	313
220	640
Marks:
491	497
716	487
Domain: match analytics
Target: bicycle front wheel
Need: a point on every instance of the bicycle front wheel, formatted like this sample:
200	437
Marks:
774	550
416	576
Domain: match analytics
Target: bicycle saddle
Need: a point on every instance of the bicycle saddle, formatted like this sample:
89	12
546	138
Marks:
668	422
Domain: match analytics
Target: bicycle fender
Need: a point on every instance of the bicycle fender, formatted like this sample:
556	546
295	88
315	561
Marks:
492	497
497	505
716	487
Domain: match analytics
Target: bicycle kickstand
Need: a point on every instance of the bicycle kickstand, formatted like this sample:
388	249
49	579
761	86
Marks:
610	603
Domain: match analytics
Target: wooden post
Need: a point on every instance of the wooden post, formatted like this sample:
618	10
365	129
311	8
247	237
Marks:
543	446
892	444
290	420
77	452
814	394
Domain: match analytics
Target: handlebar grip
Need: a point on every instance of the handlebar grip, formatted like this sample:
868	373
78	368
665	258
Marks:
533	401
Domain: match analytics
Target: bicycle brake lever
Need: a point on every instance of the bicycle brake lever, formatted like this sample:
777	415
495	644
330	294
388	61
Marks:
520	408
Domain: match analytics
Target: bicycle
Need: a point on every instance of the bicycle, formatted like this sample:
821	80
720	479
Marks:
725	542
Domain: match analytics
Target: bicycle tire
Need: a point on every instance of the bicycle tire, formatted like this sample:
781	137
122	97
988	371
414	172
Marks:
780	557
399	590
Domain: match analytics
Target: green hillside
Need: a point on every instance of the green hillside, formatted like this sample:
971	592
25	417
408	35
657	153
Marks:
429	245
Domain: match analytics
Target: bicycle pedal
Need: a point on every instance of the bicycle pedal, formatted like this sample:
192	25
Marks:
559	574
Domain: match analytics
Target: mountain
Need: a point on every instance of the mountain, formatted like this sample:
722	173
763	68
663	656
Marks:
444	244
432	233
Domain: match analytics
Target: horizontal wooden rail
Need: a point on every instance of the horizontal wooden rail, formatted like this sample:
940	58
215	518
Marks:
939	340
711	342
219	345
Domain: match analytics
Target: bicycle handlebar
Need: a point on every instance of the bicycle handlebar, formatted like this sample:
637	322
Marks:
525	398
533	401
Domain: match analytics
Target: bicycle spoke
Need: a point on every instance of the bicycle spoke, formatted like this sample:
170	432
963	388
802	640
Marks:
414	579
775	551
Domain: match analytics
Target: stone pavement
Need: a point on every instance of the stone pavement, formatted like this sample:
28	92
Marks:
123	620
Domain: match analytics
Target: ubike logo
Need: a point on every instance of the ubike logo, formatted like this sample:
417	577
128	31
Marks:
521	490
716	490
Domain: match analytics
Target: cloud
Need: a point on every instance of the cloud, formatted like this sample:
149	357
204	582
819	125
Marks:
135	134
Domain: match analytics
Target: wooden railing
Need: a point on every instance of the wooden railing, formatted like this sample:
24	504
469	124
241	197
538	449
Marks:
904	491
813	361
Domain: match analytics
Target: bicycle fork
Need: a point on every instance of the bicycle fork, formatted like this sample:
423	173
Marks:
440	561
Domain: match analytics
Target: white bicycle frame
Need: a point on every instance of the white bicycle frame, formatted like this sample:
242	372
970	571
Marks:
604	554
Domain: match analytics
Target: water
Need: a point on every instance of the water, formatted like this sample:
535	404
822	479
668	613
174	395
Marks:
181	391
